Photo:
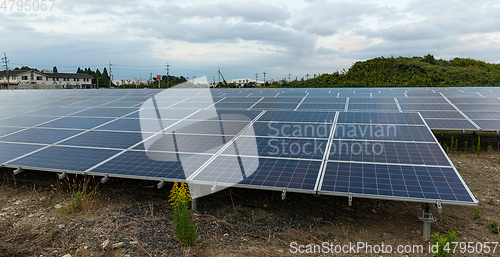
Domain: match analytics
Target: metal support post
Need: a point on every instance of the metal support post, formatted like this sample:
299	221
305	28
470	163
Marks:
427	218
194	205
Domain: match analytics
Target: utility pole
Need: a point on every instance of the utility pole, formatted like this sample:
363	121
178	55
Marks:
150	78
6	61
264	78
255	78
289	74
168	69
219	76
307	76
110	75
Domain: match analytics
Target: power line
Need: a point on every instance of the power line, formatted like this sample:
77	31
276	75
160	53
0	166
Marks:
6	61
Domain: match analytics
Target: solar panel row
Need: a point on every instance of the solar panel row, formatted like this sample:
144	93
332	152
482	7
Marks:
379	147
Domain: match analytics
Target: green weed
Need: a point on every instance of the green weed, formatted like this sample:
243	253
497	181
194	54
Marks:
477	213
445	243
494	227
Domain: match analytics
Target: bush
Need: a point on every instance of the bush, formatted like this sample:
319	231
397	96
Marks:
180	198
489	149
466	146
445	243
494	227
477	213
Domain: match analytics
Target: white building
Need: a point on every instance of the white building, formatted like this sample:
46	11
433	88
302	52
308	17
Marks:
31	79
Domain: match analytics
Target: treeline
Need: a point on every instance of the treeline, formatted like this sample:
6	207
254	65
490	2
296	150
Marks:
99	78
407	71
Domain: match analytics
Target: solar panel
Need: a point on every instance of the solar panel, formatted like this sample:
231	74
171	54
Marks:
256	138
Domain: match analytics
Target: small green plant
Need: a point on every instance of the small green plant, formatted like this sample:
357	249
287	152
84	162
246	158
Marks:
478	148
452	143
499	158
477	213
447	150
455	216
473	149
456	144
184	230
489	149
491	201
444	243
46	204
466	146
494	227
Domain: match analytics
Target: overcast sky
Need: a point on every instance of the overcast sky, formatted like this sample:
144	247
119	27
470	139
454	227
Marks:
244	37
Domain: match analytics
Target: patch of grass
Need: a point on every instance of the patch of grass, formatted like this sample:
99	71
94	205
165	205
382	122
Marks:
455	216
494	227
477	213
46	204
489	149
473	149
83	194
491	201
444	243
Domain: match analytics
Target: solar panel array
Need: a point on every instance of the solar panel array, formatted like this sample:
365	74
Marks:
304	140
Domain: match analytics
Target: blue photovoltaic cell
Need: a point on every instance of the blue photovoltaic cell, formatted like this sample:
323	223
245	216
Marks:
297	130
322	106
76	123
209	127
269	172
324	100
295	100
482	115
298	116
10	151
383	132
7	130
486	124
426	107
373	107
25	121
380	118
53	111
371	101
106	139
106	112
279	147
441	115
68	158
281	106
122	104
40	136
89	103
185	143
234	105
148	125
150	113
422	100
139	164
430	183
450	124
233	99
479	107
239	115
388	152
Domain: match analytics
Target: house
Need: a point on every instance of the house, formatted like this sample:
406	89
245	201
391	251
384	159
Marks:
32	79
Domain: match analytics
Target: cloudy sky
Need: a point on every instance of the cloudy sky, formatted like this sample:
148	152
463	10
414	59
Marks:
243	37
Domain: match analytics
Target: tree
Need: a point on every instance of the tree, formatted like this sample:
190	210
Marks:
54	69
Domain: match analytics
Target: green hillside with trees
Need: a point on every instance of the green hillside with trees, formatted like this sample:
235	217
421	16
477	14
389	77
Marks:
407	71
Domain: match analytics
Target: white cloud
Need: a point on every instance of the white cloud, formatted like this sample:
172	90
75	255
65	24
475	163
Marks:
245	37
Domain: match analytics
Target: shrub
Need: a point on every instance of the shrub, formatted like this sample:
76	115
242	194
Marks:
477	213
466	145
445	243
180	198
489	149
82	195
494	227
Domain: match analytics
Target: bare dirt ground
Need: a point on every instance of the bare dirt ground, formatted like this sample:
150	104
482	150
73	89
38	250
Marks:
133	218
